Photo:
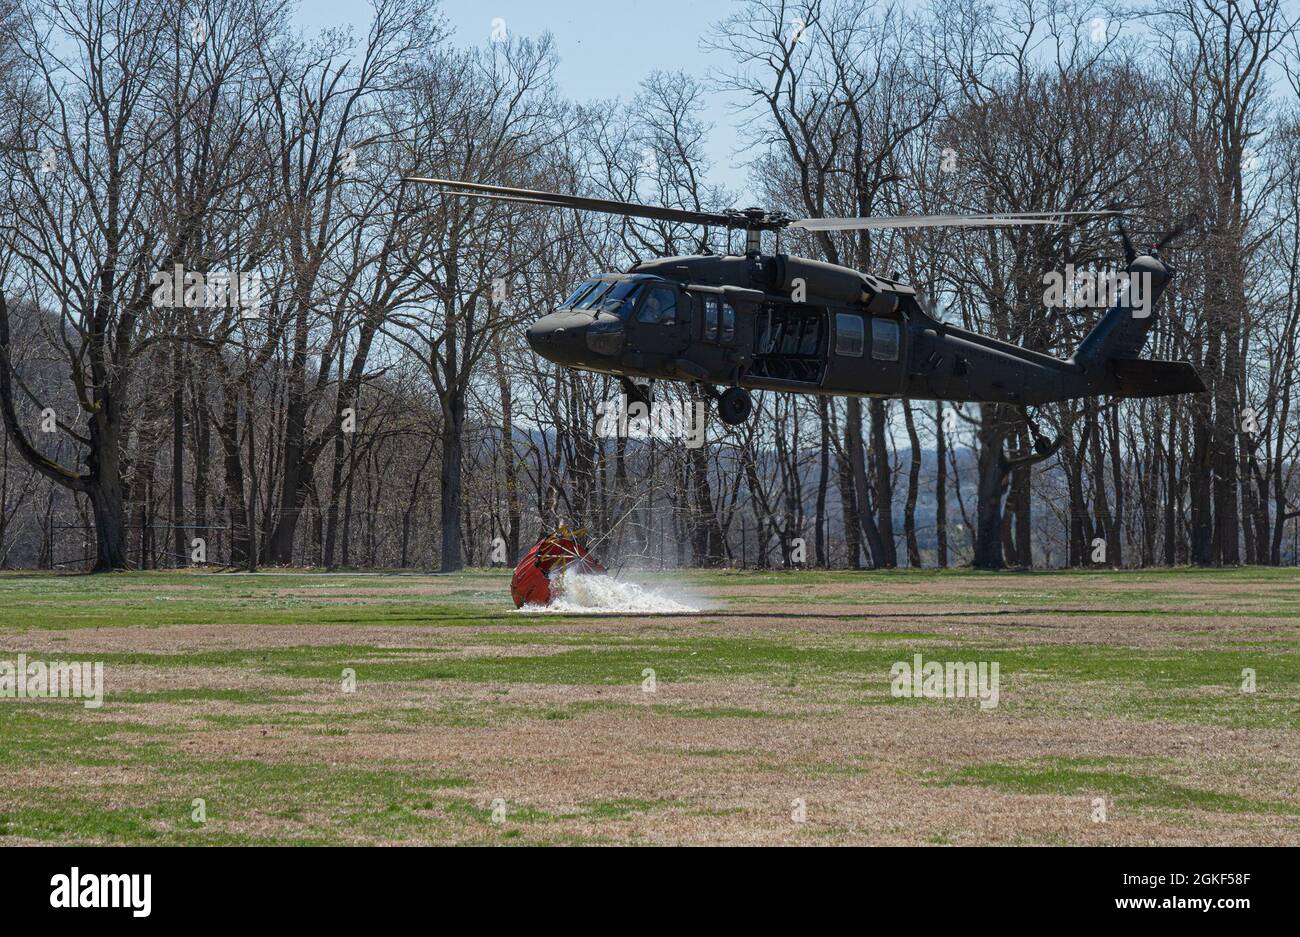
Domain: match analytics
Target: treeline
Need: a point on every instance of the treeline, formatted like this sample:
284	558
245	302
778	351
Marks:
230	335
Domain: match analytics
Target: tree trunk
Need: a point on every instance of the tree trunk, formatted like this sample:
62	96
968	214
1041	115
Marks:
913	483
180	551
707	533
884	487
823	482
105	493
1170	521
862	503
514	510
940	487
1204	447
202	459
336	469
849	511
110	528
1021	484
228	436
347	508
293	491
453	424
991	466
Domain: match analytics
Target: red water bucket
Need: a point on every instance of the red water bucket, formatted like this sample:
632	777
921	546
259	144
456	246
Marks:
549	557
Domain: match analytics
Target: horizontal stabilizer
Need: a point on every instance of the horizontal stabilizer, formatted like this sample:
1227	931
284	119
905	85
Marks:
1136	377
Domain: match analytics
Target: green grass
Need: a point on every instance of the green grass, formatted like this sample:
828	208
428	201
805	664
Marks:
57	602
1184	685
388	802
128	773
1123	780
44	601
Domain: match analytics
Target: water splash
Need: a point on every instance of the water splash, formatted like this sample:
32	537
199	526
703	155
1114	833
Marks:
576	592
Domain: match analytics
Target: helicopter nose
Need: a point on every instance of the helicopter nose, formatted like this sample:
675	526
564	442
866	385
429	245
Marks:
557	337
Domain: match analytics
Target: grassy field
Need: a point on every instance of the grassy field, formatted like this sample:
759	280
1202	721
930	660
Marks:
231	714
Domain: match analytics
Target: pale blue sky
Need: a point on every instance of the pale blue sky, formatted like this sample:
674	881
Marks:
606	48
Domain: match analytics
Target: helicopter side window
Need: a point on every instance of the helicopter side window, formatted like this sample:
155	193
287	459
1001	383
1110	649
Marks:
848	335
728	323
710	318
659	308
884	339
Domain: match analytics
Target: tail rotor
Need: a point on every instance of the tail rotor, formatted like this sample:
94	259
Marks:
1130	254
1175	232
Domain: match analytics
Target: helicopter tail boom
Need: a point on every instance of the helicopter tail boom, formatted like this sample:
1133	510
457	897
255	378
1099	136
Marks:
1108	356
1107	361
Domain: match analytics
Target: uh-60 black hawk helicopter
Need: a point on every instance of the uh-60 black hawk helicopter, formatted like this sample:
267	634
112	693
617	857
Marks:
774	322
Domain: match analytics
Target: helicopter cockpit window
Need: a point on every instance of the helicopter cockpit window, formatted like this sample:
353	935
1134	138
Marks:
572	301
620	299
884	340
659	308
848	335
728	323
595	295
710	318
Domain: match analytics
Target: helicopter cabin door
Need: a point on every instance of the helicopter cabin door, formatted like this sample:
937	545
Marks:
660	327
866	353
717	333
789	345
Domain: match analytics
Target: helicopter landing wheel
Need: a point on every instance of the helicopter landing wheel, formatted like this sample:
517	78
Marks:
734	406
637	393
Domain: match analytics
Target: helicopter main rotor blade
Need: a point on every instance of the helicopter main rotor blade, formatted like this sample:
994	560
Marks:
504	198
608	206
993	220
750	219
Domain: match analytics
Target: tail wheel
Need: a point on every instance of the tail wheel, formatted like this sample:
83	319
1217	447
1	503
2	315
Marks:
1042	445
735	405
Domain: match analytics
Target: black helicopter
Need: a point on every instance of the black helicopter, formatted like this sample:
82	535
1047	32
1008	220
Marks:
774	322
